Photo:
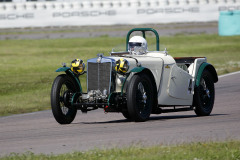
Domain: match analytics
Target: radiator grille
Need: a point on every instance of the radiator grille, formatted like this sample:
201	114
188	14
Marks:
99	76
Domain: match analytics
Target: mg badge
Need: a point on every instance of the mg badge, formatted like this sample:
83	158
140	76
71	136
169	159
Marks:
99	59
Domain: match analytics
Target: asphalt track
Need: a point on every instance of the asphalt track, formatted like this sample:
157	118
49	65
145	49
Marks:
168	29
40	133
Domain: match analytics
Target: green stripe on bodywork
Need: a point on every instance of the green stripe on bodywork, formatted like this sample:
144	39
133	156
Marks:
200	71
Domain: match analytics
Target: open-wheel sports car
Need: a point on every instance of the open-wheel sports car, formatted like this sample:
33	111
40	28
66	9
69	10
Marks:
135	82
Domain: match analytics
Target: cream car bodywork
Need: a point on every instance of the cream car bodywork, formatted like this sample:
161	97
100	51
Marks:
174	81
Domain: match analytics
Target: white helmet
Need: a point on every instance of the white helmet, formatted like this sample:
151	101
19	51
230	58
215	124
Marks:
137	45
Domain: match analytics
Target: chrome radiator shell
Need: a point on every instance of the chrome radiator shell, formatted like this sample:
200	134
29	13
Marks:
99	74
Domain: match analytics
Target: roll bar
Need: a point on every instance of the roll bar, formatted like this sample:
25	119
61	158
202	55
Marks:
143	30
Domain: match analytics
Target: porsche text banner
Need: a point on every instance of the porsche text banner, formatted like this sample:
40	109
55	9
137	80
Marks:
110	12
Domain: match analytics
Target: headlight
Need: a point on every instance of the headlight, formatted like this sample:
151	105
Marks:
78	66
122	66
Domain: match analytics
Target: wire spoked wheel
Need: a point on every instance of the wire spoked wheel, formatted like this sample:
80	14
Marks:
65	98
204	95
62	91
140	97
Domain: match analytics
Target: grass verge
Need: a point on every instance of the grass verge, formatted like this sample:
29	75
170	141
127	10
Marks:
194	151
27	66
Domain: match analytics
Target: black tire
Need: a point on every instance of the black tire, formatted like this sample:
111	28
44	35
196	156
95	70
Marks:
62	89
140	97
126	114
204	95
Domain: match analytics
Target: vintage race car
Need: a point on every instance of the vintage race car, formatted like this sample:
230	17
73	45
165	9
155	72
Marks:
135	85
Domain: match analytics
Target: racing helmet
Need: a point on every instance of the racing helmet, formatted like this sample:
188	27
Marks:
137	45
77	66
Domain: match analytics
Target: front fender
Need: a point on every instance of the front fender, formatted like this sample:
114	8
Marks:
63	69
70	73
137	69
134	70
210	68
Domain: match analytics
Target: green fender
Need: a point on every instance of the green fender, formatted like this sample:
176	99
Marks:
63	69
75	97
147	71
70	73
210	68
136	70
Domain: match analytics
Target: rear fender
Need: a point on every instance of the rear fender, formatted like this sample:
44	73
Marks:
208	67
74	77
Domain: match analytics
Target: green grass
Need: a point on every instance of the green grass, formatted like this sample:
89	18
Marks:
194	151
28	67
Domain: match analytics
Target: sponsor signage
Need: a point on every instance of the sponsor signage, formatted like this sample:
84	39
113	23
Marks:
110	12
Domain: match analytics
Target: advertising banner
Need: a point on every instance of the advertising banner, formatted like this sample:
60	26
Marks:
111	12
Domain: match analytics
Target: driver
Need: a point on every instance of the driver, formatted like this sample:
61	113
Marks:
137	45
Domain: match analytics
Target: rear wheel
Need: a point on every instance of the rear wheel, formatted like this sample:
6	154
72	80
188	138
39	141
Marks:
63	89
204	95
139	97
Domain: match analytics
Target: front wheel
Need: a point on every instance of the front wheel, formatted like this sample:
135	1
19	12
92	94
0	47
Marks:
62	91
126	114
140	97
204	95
